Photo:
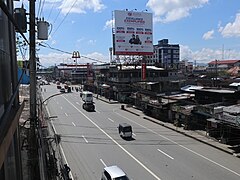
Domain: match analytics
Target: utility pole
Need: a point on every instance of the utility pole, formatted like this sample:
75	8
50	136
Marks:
33	151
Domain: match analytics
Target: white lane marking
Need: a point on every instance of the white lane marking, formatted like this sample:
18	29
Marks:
84	139
61	149
182	146
165	154
61	107
110	119
133	157
97	111
73	124
133	134
103	163
66	114
77	103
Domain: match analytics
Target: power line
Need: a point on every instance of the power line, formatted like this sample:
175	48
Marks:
47	46
56	49
58	13
64	17
42	8
39	6
51	9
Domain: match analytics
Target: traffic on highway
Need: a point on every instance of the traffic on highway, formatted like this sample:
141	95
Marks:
94	145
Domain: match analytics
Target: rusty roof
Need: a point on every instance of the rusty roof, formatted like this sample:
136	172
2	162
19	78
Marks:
224	62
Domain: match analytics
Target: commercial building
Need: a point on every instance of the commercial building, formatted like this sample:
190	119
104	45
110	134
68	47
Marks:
165	55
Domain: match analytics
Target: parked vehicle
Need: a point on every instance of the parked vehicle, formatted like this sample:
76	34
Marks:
69	89
88	104
62	90
58	85
125	130
113	173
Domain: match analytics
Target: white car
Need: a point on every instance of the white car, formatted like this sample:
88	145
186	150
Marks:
113	173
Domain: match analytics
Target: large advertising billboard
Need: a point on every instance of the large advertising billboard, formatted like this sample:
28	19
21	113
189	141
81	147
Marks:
133	33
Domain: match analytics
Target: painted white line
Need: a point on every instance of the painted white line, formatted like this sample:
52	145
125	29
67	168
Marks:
97	111
103	163
61	107
110	119
77	103
84	139
66	114
182	146
133	157
73	124
60	146
165	154
133	134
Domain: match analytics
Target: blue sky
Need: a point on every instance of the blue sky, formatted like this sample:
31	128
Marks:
205	29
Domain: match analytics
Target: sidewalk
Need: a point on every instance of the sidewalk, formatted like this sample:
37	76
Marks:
102	98
197	135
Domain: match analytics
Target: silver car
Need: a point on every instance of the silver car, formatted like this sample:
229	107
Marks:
113	173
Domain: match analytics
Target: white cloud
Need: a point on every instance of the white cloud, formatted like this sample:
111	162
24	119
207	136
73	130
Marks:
109	24
54	58
80	40
231	29
208	35
92	42
81	6
172	10
98	57
205	55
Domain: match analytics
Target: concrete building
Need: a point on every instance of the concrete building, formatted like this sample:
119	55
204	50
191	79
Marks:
222	65
75	73
185	67
10	107
165	55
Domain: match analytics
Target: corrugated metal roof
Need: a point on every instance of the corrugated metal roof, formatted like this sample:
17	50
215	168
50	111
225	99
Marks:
224	62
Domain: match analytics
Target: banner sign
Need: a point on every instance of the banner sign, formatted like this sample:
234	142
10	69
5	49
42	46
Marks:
144	68
133	33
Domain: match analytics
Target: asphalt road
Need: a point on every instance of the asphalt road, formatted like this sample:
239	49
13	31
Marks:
90	141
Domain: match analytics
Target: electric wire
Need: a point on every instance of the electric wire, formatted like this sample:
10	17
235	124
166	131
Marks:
53	5
22	50
39	7
42	8
58	13
48	46
64	17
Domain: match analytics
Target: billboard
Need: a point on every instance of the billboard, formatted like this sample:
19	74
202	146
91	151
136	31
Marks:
133	33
